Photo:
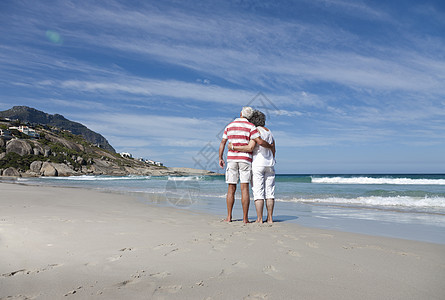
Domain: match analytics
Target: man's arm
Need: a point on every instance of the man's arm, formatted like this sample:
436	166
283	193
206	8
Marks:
222	145
247	148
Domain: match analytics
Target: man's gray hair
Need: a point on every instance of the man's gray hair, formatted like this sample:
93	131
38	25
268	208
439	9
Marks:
247	112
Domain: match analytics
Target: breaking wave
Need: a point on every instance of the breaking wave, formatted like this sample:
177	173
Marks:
378	180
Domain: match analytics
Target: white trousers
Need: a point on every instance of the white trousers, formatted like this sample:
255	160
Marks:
263	183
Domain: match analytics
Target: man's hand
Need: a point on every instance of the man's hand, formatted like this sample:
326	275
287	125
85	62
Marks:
222	145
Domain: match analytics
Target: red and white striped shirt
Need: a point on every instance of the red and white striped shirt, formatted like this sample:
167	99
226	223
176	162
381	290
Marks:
239	133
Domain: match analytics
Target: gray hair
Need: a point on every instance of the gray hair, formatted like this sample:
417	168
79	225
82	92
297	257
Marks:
258	118
247	112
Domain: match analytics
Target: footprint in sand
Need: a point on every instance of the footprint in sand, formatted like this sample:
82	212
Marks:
256	297
171	289
312	245
291	237
73	291
21	297
272	272
160	275
27	272
135	278
171	251
293	253
233	268
114	258
162	246
126	249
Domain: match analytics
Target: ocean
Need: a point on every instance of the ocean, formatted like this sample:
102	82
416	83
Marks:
408	206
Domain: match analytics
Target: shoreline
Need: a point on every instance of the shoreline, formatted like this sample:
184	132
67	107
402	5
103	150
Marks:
81	243
308	215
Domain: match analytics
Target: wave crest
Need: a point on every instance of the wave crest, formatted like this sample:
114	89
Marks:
380	180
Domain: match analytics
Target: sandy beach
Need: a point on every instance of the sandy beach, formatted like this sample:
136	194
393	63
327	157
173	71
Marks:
71	243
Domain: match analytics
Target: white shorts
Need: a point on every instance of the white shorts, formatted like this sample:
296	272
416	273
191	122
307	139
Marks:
263	183
238	170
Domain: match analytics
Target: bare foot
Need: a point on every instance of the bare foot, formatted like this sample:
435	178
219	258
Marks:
228	219
270	221
246	221
260	221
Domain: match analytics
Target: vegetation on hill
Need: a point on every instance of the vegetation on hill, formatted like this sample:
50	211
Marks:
61	146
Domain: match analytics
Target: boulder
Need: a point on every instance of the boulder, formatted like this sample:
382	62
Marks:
47	152
2	155
48	169
80	160
37	148
11	172
36	166
21	147
2	142
63	170
87	170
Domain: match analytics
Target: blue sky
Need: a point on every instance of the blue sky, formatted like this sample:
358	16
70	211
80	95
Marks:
347	86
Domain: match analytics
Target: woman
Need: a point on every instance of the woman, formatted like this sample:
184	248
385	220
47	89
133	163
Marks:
263	171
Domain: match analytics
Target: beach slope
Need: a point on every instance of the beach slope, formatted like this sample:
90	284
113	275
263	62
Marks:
68	243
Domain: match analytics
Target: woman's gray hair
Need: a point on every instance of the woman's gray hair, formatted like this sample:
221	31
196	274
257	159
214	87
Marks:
258	118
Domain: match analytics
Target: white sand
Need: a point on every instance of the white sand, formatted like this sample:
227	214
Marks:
66	243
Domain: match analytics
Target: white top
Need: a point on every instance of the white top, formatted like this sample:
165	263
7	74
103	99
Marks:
263	157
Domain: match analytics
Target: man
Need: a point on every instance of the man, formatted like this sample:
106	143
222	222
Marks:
239	164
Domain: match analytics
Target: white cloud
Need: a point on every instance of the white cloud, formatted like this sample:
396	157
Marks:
286	113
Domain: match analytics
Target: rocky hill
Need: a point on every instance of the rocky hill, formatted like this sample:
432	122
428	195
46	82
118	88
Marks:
33	116
61	153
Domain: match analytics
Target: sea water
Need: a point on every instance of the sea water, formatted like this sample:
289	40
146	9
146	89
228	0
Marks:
409	206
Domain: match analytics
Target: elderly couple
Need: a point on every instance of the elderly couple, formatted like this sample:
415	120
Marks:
251	154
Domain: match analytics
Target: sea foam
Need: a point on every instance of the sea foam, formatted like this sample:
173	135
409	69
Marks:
380	180
401	201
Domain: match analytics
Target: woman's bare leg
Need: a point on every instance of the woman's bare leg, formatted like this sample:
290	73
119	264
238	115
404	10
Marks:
269	205
259	204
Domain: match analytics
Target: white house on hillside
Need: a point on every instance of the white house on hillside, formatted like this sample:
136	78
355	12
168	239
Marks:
126	155
151	162
26	130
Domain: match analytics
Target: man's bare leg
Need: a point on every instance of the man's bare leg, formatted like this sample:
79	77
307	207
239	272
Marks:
259	204
230	199
269	205
245	199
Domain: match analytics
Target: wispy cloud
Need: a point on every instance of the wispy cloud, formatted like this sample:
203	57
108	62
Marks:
169	130
355	8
